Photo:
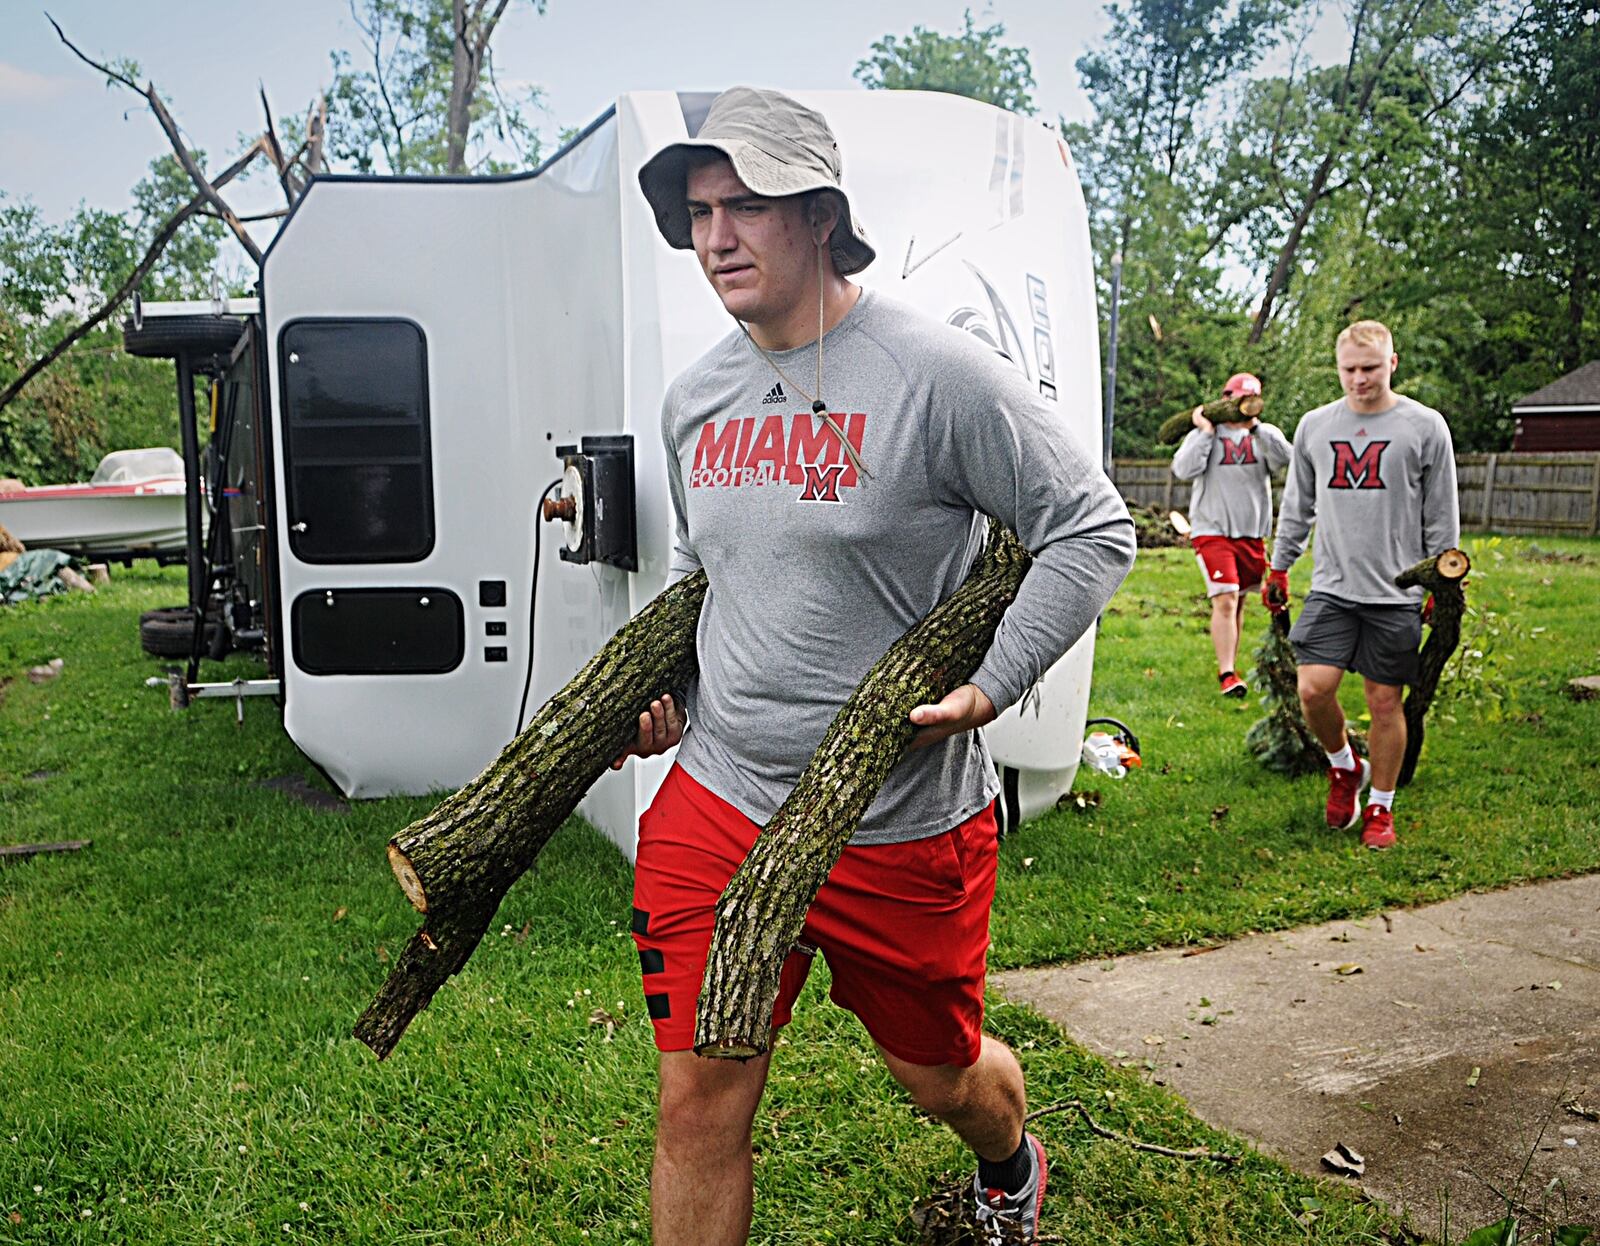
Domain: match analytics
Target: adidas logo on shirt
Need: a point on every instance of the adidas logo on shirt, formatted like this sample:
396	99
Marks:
775	394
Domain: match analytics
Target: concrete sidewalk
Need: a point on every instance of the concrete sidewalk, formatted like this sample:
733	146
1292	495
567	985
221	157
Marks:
1452	1036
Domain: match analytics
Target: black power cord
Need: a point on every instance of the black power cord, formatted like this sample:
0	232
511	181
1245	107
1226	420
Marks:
533	599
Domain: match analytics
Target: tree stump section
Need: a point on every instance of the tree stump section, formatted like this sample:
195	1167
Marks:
1444	576
456	864
763	908
1219	411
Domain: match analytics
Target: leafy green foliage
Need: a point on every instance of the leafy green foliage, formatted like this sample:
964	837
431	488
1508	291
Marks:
973	63
1442	178
95	398
389	103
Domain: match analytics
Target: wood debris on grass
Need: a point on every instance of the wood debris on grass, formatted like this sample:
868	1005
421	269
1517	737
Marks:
18	851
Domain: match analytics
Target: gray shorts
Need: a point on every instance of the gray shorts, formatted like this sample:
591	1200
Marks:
1380	642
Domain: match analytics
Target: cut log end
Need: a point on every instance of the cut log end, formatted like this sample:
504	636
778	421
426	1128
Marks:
406	876
1453	564
730	1049
1251	406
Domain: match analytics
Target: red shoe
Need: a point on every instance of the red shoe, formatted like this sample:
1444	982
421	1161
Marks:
1233	686
1344	794
1377	828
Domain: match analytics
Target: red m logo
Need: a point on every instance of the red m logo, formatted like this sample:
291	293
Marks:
822	481
1241	451
1353	471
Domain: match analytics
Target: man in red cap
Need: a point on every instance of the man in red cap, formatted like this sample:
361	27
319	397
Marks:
1230	514
830	463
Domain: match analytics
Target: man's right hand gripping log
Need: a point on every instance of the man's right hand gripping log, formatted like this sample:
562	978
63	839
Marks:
872	442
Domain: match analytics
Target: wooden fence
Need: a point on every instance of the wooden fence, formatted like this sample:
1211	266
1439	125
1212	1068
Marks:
1530	494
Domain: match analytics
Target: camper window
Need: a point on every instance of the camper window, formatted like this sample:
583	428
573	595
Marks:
358	460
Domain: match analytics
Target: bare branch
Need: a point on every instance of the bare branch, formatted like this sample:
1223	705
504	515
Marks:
151	255
316	131
274	215
185	157
110	73
291	191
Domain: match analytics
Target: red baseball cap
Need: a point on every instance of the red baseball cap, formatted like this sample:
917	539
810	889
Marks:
1241	383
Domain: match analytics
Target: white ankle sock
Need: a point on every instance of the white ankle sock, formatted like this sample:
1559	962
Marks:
1386	799
1344	759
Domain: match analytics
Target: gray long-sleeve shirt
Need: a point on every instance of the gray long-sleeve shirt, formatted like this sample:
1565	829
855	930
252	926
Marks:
815	571
1232	470
1381	490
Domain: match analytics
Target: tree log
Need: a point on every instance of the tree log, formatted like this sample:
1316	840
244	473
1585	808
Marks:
763	908
1444	577
1219	411
457	863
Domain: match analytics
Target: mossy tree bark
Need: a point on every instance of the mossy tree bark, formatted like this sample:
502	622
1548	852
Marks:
763	908
1219	411
456	864
1444	577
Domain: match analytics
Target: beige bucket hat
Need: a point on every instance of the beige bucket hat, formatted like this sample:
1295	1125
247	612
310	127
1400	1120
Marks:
778	147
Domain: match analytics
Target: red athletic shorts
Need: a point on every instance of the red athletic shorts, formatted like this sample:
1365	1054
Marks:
904	927
1231	564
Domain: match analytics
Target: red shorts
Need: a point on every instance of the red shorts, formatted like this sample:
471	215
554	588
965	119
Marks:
1231	564
904	927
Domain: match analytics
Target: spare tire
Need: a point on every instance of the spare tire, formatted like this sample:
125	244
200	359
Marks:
165	337
168	632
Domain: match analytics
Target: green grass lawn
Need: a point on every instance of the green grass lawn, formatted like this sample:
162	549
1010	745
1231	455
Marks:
176	1001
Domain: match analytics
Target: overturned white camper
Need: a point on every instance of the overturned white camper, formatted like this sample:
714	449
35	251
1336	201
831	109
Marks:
441	351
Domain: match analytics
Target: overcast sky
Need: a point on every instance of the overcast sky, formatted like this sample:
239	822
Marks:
66	138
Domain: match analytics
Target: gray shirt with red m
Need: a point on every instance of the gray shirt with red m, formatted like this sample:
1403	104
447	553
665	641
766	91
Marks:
1381	490
1232	468
816	568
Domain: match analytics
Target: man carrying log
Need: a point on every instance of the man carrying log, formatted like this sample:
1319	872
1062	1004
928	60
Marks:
1376	472
830	463
1230	514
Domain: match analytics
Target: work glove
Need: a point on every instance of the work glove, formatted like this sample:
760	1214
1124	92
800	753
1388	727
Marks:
1275	592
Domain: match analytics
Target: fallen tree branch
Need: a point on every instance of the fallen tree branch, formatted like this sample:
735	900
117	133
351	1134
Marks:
142	270
1444	577
185	156
1282	741
1236	409
456	864
946	1218
1199	1152
763	907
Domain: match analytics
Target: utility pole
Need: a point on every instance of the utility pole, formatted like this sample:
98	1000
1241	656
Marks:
1111	361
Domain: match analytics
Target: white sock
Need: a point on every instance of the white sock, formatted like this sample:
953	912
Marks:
1344	759
1386	799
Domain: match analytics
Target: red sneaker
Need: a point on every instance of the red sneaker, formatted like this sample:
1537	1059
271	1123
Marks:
1377	827
1233	686
1344	794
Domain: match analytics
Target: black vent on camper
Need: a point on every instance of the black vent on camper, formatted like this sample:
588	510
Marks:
359	467
378	631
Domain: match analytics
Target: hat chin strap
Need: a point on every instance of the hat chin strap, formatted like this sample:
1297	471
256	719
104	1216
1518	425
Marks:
818	406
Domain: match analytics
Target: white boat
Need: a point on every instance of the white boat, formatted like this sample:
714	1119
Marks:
132	505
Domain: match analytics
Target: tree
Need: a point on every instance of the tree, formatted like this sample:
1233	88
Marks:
973	63
1532	170
1162	82
414	102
